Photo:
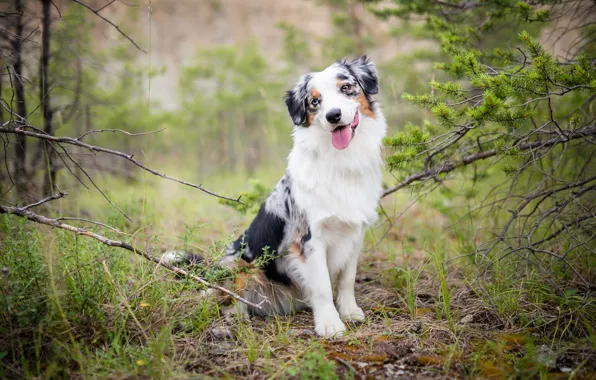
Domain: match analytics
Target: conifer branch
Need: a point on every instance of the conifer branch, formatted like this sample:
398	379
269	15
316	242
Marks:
468	159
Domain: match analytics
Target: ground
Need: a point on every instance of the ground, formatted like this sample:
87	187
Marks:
75	309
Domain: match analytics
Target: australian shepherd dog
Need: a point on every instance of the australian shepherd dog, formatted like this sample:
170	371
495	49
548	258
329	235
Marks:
314	220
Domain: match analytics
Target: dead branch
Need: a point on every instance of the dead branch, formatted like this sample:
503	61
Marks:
45	200
120	131
96	12
129	157
24	213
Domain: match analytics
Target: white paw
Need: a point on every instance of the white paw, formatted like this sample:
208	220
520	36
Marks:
352	314
329	326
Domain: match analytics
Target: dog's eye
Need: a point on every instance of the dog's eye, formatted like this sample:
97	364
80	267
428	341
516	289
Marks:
346	88
315	102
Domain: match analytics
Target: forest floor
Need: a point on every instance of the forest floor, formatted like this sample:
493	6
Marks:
410	330
73	308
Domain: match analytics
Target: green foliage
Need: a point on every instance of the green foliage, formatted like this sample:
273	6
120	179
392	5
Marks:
408	143
296	48
226	93
252	200
59	289
498	92
314	365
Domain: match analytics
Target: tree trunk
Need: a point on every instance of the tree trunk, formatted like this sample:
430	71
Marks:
44	98
19	167
360	48
2	175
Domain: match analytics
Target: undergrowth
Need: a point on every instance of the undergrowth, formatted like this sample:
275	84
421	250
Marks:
70	306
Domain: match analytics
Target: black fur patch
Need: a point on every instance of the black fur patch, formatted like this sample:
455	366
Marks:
266	230
273	274
296	100
364	72
306	237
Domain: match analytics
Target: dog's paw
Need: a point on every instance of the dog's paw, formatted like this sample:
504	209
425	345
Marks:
330	328
352	314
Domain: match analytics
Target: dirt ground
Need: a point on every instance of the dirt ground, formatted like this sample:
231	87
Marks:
389	344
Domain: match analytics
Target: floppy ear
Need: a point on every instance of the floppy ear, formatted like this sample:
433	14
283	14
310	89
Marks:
366	74
296	100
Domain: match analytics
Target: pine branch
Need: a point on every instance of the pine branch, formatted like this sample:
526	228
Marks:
466	160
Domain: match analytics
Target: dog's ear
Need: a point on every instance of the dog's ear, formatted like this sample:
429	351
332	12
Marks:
366	74
296	100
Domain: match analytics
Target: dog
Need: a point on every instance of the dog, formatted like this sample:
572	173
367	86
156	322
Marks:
312	224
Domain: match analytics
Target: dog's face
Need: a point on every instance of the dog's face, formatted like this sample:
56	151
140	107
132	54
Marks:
335	99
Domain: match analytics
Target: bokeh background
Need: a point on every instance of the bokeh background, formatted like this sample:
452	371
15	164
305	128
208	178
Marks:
198	87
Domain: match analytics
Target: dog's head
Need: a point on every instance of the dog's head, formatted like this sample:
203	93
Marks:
335	99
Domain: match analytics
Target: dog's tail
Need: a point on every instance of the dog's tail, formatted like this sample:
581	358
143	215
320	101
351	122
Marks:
182	258
250	283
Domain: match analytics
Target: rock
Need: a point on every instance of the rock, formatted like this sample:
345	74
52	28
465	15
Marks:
221	333
297	332
467	319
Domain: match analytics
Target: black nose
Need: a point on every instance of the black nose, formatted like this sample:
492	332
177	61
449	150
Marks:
333	116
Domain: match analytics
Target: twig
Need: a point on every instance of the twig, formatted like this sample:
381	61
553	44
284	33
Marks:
129	157
92	222
111	23
19	211
121	131
346	364
45	200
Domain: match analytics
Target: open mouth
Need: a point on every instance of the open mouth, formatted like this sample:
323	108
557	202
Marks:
343	134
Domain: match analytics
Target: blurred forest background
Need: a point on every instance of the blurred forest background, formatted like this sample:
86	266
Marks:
483	264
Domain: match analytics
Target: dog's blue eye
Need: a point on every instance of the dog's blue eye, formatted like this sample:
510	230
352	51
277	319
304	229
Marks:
314	102
346	87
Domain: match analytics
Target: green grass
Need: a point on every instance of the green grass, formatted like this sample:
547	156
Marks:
72	307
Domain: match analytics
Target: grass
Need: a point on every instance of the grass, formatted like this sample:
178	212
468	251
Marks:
71	307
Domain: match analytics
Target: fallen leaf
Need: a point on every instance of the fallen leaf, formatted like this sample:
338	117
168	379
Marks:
383	338
489	370
374	358
340	355
430	360
420	311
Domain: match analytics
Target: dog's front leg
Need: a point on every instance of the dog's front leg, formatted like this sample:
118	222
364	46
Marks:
348	309
319	292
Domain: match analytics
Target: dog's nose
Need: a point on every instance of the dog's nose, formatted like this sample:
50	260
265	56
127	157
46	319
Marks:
333	116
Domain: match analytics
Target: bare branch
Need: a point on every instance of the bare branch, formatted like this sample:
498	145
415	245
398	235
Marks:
121	131
120	244
129	157
45	200
111	23
92	222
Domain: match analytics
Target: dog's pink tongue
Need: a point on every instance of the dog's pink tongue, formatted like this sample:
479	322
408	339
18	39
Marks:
341	137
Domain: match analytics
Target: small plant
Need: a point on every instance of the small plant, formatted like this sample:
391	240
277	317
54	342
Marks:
252	200
444	307
314	365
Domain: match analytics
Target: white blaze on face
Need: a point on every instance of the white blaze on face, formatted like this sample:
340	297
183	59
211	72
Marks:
342	132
